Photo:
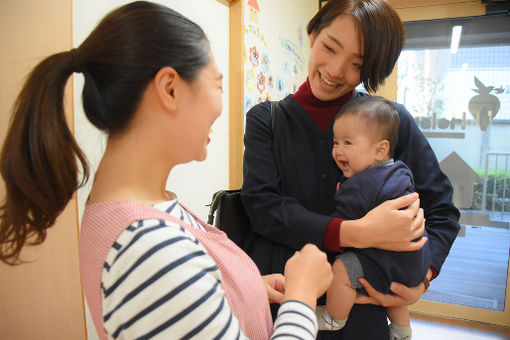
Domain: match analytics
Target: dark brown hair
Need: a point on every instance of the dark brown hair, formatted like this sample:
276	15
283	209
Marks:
380	33
40	159
378	113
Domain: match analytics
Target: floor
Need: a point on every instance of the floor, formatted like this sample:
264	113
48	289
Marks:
430	327
475	275
475	271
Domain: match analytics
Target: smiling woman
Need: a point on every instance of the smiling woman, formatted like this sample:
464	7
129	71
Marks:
335	62
149	267
290	179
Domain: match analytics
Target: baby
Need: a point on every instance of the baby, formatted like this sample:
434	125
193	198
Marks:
365	134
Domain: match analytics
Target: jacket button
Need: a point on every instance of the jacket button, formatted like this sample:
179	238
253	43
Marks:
323	176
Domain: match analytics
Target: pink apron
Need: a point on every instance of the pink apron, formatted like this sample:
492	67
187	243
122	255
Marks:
244	288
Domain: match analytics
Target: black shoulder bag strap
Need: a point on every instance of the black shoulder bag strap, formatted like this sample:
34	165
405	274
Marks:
234	202
274	110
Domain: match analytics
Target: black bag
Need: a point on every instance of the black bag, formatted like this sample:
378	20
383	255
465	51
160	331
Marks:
230	214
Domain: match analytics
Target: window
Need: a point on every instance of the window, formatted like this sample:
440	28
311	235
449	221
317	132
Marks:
454	77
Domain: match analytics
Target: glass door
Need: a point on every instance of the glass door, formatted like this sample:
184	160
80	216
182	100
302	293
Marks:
454	77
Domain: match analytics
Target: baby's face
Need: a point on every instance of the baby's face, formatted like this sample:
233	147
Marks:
354	145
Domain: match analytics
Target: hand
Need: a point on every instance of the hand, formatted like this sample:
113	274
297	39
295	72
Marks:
275	287
404	295
389	228
307	275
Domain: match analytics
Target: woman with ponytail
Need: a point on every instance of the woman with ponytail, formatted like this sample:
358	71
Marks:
149	267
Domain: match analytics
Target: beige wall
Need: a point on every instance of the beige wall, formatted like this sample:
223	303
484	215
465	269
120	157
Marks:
42	299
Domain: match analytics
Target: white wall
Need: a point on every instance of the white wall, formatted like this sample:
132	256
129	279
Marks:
194	183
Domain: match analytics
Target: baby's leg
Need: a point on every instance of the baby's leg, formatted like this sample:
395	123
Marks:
341	295
400	327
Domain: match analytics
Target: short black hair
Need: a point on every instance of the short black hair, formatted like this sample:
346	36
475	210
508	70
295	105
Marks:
381	34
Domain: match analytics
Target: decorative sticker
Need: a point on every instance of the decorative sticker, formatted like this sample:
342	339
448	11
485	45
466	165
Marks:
265	63
248	103
270	82
254	56
280	84
261	82
253	10
293	51
250	80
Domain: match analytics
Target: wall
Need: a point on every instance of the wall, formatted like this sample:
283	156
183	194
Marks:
271	62
41	299
276	48
194	183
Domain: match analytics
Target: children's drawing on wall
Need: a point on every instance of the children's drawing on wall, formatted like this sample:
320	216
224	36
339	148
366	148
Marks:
280	85
248	103
249	80
293	51
261	82
286	69
253	10
254	56
265	63
271	71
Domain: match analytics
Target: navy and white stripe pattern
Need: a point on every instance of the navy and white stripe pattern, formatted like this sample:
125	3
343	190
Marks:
158	281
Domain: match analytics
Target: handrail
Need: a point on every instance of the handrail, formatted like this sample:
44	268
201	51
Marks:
489	156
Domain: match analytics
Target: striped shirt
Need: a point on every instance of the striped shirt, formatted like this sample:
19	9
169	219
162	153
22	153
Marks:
159	281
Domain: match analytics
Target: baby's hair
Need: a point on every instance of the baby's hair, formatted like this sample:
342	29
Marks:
377	112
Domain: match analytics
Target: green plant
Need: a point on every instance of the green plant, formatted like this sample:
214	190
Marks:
500	197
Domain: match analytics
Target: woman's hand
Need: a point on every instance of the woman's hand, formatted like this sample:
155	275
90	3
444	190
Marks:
389	228
307	275
403	295
275	287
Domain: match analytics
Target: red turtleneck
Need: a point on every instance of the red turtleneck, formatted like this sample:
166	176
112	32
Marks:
323	112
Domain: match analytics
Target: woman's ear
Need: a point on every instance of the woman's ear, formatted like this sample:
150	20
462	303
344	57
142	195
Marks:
382	150
312	37
165	83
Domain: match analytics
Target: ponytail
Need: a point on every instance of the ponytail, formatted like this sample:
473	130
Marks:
38	159
118	60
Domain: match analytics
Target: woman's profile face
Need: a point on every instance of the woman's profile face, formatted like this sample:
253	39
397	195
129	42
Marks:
202	105
335	59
